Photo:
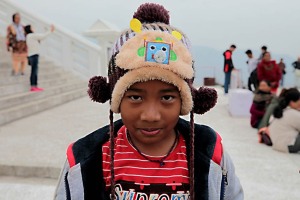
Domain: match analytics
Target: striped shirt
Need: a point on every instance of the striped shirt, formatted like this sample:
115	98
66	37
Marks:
139	178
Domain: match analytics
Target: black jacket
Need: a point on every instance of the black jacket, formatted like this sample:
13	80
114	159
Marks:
87	154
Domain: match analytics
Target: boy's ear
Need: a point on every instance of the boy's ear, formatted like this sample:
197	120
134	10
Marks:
99	89
204	99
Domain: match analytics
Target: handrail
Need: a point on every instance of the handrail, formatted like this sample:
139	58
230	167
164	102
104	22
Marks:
65	48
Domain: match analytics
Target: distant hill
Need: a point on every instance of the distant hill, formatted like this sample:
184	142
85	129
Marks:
209	63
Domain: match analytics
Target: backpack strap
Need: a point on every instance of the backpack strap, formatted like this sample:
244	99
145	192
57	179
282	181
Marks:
70	155
218	151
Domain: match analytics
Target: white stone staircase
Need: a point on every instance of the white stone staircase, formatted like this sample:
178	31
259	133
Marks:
67	61
16	101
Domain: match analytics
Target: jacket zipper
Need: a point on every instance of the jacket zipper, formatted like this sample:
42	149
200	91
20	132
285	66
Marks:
223	183
68	195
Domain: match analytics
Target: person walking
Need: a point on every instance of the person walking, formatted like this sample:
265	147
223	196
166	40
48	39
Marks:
252	65
16	42
296	66
281	66
268	70
228	67
33	42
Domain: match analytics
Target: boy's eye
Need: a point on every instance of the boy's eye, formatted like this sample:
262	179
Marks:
135	98
167	98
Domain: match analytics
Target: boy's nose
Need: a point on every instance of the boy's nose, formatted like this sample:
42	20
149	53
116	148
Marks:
151	113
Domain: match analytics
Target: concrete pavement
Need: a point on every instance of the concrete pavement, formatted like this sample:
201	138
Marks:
13	188
34	148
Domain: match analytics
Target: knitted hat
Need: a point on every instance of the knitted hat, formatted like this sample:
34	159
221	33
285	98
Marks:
152	50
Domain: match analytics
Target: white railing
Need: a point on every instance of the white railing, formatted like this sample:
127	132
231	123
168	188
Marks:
65	48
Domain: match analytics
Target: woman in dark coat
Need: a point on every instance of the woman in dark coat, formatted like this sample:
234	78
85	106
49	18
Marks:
268	70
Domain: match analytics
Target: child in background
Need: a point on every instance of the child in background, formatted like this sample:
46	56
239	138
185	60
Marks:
261	100
151	153
33	43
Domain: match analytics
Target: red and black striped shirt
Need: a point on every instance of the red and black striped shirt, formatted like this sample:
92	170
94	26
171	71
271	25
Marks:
139	178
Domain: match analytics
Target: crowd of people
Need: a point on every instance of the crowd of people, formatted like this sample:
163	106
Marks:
24	44
276	118
262	68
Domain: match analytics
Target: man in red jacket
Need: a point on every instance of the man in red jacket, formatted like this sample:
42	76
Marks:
228	66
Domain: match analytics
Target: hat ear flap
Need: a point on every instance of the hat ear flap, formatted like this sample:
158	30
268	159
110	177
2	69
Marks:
99	89
204	99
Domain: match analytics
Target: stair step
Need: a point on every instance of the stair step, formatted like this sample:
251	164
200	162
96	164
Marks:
16	88
7	66
16	101
25	79
4	72
27	96
27	109
29	171
27	188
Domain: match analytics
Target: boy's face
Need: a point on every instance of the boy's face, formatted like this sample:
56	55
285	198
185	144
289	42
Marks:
150	110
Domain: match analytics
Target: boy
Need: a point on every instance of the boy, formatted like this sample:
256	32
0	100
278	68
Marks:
252	65
228	67
151	153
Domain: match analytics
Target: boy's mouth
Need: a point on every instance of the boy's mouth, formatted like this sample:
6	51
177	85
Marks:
150	131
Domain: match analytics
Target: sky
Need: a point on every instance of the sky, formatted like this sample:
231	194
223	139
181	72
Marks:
212	23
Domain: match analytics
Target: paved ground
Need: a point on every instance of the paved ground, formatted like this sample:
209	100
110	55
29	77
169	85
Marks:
35	146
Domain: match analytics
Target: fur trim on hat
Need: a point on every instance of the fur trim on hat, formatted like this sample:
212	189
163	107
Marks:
148	73
128	57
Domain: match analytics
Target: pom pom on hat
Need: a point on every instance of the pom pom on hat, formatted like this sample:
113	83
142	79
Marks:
204	99
152	13
99	89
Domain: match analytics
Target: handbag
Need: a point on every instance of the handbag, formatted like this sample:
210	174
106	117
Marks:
12	38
